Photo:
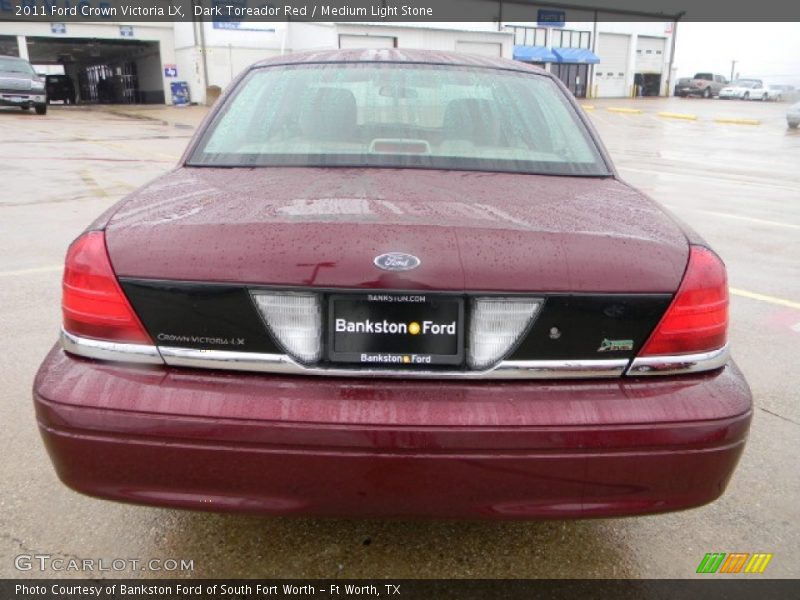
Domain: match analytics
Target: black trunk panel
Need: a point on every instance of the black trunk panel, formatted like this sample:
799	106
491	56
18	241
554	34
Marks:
575	327
199	315
214	316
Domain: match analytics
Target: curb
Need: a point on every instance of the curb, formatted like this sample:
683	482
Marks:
672	115
739	121
143	116
683	116
632	111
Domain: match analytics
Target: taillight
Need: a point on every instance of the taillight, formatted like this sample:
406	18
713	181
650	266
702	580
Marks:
93	303
697	319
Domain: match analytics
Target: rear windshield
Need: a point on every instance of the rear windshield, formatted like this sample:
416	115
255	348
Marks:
15	65
390	115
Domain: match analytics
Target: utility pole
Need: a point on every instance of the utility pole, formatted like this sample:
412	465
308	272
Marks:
733	68
675	20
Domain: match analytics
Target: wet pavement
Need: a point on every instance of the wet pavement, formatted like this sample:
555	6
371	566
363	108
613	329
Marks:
737	185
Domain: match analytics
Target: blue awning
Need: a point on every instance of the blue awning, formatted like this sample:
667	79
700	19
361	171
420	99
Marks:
576	55
534	54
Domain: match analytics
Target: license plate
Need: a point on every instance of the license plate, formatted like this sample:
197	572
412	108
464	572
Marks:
396	330
15	98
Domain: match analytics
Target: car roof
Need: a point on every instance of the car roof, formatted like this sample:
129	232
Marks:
397	55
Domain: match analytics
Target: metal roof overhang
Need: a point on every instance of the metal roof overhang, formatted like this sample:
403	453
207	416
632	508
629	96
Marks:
534	54
576	55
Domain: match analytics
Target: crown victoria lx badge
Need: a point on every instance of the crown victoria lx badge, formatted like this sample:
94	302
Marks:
396	261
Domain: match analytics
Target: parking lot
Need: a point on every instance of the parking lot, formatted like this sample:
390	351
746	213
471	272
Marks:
736	183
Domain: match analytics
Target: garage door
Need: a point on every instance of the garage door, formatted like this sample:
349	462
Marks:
611	75
482	48
650	54
104	70
367	41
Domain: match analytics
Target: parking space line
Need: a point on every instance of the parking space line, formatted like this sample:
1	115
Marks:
740	217
92	184
31	271
765	298
131	151
124	185
728	179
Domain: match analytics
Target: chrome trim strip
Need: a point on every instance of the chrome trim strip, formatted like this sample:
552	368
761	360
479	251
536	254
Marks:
559	369
679	364
283	364
102	350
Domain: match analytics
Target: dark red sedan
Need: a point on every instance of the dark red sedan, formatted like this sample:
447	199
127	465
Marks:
394	283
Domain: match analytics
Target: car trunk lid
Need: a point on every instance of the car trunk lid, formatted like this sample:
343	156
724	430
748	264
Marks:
470	230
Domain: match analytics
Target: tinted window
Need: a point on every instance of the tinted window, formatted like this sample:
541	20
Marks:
373	114
706	76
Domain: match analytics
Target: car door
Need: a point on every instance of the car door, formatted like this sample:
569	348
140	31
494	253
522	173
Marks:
759	91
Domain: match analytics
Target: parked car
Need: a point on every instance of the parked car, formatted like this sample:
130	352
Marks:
779	92
745	89
394	283
20	86
793	116
702	84
60	88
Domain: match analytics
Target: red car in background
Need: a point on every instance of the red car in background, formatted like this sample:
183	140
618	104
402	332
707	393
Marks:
394	283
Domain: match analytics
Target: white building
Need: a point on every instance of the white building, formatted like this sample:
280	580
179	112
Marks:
228	50
601	59
139	62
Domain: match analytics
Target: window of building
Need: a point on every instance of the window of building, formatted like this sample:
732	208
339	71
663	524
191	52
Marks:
530	36
568	38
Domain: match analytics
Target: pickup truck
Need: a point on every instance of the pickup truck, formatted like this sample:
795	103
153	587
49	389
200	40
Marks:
20	85
702	84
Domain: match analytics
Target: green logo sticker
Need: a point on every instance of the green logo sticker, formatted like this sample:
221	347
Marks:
615	345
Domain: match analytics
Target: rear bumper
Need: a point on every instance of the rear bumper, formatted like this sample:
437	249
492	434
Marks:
343	447
690	91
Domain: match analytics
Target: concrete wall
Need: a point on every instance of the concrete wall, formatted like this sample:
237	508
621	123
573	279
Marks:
150	73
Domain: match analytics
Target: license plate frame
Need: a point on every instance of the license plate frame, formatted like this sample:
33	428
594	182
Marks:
399	348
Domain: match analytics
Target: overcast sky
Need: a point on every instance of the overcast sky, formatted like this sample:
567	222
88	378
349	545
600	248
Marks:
770	51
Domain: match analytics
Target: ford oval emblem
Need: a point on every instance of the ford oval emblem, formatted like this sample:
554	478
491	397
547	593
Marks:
396	261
